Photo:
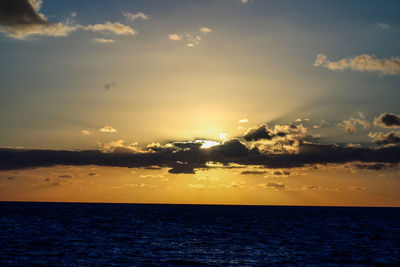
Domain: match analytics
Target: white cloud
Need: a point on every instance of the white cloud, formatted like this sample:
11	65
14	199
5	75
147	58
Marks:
190	45
85	132
108	129
205	30
365	62
23	31
134	16
243	120
116	27
103	40
175	37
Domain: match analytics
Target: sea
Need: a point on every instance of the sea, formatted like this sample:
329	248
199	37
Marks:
97	234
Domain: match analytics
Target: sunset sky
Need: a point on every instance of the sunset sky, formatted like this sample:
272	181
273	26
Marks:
217	102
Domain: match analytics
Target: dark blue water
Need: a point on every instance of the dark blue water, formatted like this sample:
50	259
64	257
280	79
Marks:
54	234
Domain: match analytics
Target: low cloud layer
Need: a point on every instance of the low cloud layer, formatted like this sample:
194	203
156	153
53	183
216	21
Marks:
362	63
185	157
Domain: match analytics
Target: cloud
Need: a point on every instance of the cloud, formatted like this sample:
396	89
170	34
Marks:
386	138
18	13
350	125
387	120
362	63
257	133
21	18
185	157
134	16
273	185
85	132
67	176
191	39
382	25
108	129
253	172
175	37
116	27
205	30
286	133
103	40
243	120
311	187
119	147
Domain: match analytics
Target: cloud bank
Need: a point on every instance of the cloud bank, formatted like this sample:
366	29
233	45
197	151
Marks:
185	157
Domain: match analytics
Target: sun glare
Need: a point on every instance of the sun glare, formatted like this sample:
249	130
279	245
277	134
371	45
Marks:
223	136
209	143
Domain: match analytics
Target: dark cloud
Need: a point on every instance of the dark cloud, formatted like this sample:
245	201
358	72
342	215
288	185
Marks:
374	166
276	186
386	138
253	172
258	133
278	173
231	149
67	176
388	120
187	158
50	182
19	13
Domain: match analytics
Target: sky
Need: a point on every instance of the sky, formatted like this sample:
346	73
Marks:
208	102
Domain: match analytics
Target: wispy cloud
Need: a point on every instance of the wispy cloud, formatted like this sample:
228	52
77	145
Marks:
114	27
350	125
192	39
362	63
243	120
103	41
135	16
85	132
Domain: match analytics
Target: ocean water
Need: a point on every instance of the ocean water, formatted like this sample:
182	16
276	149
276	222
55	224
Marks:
80	234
